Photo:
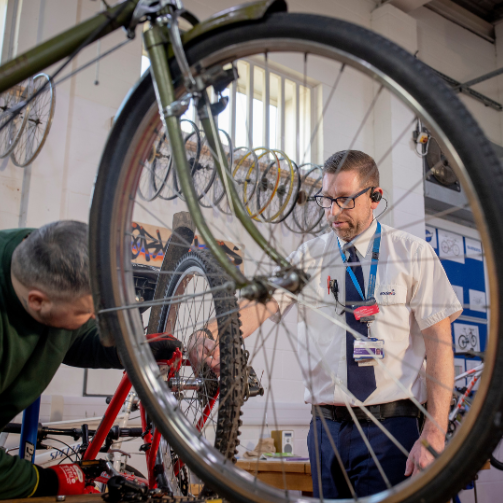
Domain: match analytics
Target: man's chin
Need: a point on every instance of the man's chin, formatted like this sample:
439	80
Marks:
344	232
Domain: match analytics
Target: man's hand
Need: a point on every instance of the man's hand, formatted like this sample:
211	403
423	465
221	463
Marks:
419	455
163	347
439	383
202	350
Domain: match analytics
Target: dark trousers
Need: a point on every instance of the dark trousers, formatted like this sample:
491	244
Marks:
356	458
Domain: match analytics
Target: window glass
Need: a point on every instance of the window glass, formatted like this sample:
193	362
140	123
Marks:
242	93
258	107
224	118
145	63
290	119
305	125
274	111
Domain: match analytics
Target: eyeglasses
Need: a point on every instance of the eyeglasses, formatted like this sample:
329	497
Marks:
344	202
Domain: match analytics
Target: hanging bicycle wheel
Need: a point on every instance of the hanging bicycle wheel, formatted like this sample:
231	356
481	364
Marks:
12	125
307	215
263	191
38	123
287	192
192	140
244	170
383	72
156	168
214	190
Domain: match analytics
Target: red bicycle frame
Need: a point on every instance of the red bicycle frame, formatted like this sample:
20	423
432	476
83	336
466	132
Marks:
153	439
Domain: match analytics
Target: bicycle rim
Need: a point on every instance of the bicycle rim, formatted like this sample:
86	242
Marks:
350	46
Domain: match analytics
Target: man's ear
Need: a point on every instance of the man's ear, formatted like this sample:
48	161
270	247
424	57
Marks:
375	204
37	300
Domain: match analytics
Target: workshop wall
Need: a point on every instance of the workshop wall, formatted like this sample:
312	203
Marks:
58	185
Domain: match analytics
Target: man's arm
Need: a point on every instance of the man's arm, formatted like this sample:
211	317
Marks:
252	315
88	352
439	384
17	477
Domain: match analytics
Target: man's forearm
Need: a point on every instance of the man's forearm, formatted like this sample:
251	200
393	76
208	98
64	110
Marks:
252	315
440	374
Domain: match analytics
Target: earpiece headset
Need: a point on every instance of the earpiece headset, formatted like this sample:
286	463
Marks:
375	196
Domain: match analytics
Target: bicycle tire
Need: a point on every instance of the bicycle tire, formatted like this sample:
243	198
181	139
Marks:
463	457
133	471
38	124
293	197
230	341
496	463
215	190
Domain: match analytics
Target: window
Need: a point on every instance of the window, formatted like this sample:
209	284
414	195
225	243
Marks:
267	108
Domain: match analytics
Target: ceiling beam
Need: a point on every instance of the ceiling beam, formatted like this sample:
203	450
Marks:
462	17
409	5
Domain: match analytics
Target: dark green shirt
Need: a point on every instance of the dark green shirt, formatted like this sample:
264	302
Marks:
30	354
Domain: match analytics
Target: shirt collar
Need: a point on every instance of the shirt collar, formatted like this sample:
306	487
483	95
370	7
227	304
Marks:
363	241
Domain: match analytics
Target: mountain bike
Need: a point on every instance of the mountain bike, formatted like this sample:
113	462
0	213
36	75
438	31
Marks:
351	67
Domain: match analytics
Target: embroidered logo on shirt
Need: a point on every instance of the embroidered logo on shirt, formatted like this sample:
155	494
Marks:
388	293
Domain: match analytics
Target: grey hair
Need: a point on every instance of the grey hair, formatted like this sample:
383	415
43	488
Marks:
55	259
354	160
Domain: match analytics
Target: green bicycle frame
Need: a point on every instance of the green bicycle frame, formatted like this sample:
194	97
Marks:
65	44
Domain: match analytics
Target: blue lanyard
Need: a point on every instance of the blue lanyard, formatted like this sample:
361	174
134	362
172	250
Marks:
373	265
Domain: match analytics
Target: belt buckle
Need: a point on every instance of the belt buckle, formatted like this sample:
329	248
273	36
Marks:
375	410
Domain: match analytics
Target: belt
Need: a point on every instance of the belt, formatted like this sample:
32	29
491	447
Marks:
400	408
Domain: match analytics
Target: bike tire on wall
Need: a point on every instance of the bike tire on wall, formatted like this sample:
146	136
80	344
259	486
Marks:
465	455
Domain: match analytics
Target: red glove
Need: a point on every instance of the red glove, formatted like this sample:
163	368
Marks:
66	480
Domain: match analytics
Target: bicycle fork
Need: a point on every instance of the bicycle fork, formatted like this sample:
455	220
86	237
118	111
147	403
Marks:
170	110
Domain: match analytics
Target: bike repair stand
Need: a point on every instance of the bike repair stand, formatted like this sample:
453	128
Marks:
29	430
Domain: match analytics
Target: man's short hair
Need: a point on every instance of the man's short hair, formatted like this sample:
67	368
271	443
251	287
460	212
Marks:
354	160
55	260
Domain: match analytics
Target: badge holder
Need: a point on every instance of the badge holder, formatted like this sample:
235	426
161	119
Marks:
365	353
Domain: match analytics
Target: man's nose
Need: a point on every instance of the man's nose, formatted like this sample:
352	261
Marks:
334	209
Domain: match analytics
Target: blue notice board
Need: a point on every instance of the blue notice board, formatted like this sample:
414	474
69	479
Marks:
463	261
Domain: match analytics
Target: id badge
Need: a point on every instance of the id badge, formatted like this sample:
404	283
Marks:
366	313
367	352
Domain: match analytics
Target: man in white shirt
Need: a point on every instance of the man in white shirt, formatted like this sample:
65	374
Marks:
398	279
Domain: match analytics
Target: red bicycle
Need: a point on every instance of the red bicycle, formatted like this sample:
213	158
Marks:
209	402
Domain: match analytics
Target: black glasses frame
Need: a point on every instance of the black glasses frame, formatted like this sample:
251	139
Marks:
345	206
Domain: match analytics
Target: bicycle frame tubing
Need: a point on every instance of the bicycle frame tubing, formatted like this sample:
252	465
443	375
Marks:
63	45
109	418
59	47
55	49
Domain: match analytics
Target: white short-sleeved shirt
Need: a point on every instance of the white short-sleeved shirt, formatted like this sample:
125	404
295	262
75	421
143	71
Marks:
412	292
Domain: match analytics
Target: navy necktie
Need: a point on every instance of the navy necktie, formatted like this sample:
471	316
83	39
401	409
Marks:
361	380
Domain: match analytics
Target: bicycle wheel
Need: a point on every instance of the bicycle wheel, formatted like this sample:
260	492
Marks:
269	174
192	139
38	124
157	168
10	132
388	73
275	209
196	281
214	190
495	458
290	204
244	170
307	215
